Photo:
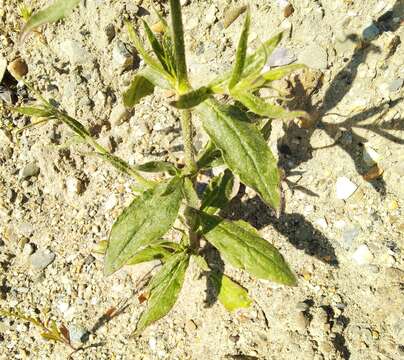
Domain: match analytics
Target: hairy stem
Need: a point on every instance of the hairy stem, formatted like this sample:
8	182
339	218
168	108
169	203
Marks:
186	125
179	46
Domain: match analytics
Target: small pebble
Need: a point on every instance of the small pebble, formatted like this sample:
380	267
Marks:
370	155
344	188
29	170
210	15
28	249
18	68
110	32
370	33
73	51
77	333
119	114
121	57
74	185
288	10
362	255
302	306
301	321
349	235
111	202
41	259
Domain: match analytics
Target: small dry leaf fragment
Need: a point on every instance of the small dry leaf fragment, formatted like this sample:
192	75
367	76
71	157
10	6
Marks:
158	27
142	298
18	68
288	10
231	15
374	172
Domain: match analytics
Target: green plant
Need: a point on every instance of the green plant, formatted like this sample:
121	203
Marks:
235	141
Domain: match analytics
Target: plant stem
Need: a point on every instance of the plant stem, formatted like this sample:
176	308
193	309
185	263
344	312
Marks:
179	46
186	125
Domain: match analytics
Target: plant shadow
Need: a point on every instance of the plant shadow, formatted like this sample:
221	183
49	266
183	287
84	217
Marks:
293	153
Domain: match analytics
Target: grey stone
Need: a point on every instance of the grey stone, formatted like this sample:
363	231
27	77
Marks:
302	306
349	235
122	59
110	32
29	170
301	321
41	259
370	33
396	85
281	56
77	333
314	56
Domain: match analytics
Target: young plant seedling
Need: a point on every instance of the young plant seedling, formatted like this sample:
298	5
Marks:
138	233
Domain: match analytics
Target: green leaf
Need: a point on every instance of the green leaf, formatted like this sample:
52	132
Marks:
52	13
155	44
243	148
262	108
230	294
243	248
209	157
281	72
190	194
241	53
217	194
254	64
177	32
32	111
193	98
139	88
164	290
146	219
158	166
159	250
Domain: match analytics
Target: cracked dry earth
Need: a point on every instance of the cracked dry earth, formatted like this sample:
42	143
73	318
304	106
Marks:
341	229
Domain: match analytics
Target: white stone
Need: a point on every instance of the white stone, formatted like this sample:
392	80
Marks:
28	249
322	222
111	202
153	344
370	155
362	255
74	185
344	188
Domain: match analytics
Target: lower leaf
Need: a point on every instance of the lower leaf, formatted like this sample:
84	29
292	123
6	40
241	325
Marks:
164	290
230	294
242	247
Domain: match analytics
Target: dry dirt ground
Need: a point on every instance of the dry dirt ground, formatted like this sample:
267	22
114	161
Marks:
57	201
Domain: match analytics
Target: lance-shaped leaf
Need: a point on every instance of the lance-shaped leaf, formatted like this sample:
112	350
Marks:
139	88
243	148
217	194
260	107
193	98
281	72
52	13
254	64
33	111
242	247
158	166
146	219
159	250
164	290
230	294
241	53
